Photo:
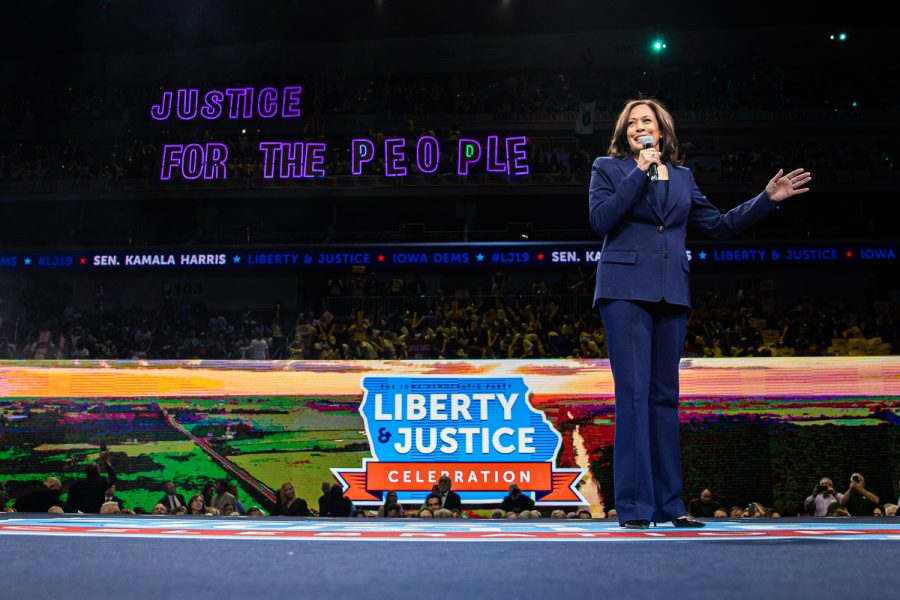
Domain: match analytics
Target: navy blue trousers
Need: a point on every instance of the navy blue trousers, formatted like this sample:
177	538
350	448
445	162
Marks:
645	341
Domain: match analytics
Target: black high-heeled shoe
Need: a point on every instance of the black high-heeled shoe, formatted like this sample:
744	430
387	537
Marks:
687	522
636	524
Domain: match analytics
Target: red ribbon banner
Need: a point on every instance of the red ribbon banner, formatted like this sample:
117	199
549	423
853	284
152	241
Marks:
551	485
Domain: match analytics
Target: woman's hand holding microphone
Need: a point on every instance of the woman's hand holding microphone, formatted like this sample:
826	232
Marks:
647	157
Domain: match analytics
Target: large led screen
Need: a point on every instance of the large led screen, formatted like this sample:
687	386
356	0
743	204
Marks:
752	429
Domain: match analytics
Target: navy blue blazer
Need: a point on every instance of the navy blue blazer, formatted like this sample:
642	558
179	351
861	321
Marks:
643	255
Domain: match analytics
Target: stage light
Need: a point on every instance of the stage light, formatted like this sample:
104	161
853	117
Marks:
659	46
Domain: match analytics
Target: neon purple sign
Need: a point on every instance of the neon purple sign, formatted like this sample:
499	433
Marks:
293	160
233	103
503	155
194	160
393	157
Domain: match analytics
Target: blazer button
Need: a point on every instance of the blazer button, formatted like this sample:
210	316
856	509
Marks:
665	254
660	228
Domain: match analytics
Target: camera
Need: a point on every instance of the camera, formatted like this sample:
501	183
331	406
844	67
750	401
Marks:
821	488
855	478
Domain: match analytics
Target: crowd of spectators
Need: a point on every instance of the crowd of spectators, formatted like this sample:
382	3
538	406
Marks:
824	501
709	87
401	319
130	149
140	160
95	494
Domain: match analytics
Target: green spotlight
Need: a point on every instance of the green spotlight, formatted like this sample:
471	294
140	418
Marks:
659	46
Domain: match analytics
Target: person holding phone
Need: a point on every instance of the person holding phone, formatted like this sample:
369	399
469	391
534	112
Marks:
822	497
859	501
87	495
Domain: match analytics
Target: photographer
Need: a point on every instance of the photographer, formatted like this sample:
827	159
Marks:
859	501
822	497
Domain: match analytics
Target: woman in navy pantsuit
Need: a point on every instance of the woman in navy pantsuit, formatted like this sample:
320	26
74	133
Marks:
643	295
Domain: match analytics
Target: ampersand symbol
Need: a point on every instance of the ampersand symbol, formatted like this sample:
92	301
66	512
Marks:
383	435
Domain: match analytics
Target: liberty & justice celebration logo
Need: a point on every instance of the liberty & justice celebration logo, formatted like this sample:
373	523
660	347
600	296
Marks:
481	432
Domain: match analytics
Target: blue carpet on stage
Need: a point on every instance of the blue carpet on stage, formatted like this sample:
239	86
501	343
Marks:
169	557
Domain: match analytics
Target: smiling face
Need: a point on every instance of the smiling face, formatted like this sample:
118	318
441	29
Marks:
641	122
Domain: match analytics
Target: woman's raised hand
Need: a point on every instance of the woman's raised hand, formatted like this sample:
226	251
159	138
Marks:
784	186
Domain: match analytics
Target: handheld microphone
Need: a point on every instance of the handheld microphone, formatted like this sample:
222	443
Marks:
647	141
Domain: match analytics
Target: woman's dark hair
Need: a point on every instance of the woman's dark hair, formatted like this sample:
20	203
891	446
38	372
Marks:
619	146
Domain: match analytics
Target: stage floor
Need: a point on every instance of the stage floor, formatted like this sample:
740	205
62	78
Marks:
441	530
174	557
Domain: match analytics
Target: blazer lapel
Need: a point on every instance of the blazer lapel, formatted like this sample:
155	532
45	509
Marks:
627	164
677	181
